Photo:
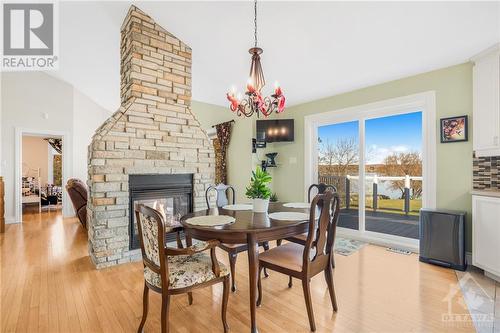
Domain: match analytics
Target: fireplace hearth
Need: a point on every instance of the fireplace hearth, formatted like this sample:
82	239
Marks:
170	194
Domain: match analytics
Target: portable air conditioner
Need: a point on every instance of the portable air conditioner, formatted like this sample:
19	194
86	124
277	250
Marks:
442	238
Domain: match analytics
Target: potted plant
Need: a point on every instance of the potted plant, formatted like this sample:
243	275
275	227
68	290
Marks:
259	191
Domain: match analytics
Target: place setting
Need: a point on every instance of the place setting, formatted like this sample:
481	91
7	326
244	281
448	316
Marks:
238	207
210	220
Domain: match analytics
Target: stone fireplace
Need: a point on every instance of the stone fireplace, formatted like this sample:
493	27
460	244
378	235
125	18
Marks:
152	148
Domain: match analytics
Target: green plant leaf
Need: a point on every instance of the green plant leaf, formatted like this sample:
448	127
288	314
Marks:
258	188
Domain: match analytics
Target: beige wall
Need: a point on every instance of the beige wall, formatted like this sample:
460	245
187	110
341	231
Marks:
453	87
35	155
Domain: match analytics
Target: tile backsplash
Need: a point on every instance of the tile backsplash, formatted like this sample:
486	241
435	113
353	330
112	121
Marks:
485	173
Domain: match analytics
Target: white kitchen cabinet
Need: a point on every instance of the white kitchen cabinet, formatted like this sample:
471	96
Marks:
486	233
486	102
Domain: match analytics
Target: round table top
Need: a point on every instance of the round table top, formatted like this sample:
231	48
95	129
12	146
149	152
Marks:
246	220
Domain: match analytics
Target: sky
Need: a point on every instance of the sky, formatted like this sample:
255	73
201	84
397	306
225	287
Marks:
384	136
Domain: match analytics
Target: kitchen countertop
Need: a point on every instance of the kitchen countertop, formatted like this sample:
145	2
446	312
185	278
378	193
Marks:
486	193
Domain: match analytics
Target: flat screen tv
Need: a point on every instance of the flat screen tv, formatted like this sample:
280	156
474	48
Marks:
275	130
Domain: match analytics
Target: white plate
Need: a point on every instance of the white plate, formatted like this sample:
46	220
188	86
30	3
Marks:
211	220
297	205
289	216
238	207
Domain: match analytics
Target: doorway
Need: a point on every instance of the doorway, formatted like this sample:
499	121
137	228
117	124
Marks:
41	183
381	159
41	164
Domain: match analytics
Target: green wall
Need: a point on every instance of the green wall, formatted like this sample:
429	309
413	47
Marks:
453	87
239	155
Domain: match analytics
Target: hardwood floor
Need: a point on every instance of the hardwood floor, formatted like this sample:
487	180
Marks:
48	284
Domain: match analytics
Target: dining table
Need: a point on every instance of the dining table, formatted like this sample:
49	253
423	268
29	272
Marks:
249	228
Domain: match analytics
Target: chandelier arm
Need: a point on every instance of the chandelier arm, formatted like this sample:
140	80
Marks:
245	108
268	107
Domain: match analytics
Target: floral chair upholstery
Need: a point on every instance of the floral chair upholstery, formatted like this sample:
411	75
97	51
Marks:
183	270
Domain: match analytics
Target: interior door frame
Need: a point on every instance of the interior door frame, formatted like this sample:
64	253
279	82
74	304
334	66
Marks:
424	102
66	167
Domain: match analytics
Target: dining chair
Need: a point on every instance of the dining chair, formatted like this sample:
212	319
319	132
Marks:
171	271
321	187
231	249
305	261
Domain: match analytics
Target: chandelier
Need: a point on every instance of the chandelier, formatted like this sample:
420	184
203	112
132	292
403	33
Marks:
254	102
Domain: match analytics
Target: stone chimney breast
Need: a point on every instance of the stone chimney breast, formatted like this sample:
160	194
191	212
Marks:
153	132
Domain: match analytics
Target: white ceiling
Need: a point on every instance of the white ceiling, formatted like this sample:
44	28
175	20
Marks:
314	49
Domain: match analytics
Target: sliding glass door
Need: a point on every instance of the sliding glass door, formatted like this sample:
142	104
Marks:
375	162
393	174
338	165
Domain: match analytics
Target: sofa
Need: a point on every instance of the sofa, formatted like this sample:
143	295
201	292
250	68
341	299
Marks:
77	191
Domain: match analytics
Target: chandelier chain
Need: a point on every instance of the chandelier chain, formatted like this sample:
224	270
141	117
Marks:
255	22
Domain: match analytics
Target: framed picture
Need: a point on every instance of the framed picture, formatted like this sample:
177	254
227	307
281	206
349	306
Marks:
454	129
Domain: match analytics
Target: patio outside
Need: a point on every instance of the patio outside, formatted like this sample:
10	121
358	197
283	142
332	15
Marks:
393	172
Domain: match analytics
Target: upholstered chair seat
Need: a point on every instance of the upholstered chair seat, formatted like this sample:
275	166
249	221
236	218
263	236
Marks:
186	271
288	255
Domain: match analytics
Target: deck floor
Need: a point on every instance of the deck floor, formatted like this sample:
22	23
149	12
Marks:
382	222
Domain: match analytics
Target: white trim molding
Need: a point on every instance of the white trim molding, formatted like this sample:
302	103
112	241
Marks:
424	102
67	167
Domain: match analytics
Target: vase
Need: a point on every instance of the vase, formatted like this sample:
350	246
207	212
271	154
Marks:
260	205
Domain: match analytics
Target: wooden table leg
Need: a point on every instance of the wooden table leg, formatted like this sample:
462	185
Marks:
253	271
187	236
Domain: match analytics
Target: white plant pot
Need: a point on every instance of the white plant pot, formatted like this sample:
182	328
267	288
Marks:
260	205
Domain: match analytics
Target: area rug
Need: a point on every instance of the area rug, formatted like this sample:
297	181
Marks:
343	246
346	246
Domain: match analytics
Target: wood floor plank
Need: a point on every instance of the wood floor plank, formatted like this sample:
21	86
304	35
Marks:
48	284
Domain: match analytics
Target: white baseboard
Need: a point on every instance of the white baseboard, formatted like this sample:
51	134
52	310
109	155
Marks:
468	258
380	240
492	276
11	220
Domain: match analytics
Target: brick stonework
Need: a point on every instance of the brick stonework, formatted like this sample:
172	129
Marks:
153	132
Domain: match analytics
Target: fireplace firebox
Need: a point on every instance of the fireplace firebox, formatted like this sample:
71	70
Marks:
171	194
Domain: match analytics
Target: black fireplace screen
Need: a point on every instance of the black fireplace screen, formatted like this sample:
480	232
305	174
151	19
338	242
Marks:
171	195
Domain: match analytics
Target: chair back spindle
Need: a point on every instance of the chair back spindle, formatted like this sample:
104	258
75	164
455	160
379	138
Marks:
322	230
